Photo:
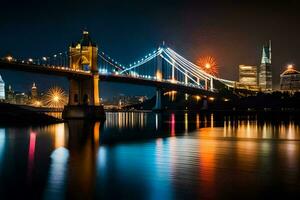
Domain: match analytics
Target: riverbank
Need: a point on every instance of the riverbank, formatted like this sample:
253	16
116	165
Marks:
16	115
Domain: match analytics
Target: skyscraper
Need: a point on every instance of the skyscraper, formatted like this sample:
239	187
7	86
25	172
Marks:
265	69
248	76
2	89
34	93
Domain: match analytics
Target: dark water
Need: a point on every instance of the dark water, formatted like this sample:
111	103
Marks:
152	156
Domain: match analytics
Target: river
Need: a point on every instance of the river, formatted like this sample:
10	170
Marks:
137	155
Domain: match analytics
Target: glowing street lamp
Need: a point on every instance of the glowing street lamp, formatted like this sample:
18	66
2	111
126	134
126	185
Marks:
211	98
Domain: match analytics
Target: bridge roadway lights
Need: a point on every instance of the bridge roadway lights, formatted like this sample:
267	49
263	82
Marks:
86	112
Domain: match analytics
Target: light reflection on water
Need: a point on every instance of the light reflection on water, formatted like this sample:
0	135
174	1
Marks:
2	145
152	156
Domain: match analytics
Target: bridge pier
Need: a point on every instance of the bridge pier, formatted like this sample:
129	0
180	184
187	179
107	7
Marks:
158	101
92	113
84	100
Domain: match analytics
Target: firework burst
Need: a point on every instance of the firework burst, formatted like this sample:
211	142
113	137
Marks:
55	98
209	65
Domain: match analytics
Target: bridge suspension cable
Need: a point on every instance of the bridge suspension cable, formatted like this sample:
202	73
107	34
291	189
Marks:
111	62
197	68
178	63
147	58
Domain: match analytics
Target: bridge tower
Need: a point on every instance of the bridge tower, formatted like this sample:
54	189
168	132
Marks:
84	92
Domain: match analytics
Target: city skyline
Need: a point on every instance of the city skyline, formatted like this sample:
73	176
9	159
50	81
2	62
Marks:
206	33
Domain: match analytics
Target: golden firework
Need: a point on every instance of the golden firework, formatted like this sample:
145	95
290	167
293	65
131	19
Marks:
209	65
55	98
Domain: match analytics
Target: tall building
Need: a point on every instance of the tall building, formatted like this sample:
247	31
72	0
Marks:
34	92
10	97
2	89
265	69
248	76
290	80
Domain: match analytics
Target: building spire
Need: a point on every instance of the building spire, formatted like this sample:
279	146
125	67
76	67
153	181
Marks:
266	54
85	31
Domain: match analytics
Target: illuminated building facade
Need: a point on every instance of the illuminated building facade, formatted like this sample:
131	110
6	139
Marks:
265	69
21	98
2	89
248	76
34	92
10	97
290	80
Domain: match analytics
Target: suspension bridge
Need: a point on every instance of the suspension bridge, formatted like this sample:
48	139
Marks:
84	66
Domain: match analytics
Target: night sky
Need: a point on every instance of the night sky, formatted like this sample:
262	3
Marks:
233	32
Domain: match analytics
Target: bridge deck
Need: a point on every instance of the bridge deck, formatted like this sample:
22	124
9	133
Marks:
67	72
49	70
167	85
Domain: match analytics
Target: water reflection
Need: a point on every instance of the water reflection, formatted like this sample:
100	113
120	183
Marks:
125	120
31	154
2	145
152	156
264	130
60	136
56	183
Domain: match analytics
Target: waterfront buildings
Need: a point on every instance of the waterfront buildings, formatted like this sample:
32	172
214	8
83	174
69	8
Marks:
21	98
265	69
290	80
122	100
10	97
248	77
2	89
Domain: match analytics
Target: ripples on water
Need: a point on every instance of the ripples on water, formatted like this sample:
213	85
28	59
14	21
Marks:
152	156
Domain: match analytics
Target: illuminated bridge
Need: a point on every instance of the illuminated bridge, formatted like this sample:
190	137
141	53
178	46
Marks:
84	66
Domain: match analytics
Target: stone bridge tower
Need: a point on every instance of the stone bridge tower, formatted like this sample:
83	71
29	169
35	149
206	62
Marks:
84	92
83	56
